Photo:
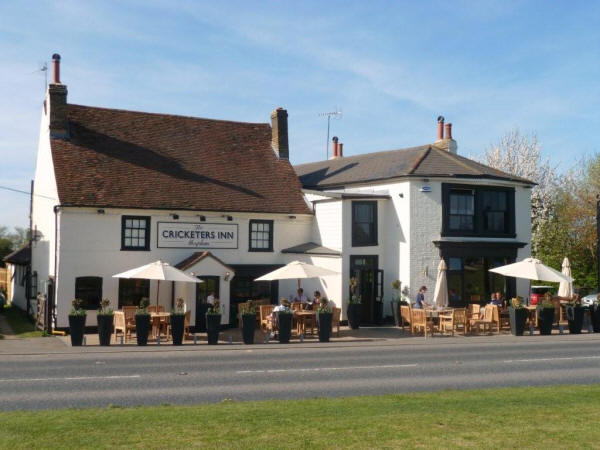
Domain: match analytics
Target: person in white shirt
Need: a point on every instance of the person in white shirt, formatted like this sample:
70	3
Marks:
211	298
300	297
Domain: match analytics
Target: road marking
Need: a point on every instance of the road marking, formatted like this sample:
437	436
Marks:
571	358
109	377
323	369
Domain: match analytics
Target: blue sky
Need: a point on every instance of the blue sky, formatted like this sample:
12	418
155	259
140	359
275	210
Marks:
392	68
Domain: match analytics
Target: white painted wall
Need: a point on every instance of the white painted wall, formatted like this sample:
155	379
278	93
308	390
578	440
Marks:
328	223
17	291
44	199
90	245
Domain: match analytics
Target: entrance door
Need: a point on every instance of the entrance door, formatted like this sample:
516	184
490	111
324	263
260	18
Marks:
203	290
364	268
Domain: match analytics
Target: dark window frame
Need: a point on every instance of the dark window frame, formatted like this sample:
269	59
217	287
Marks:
375	237
86	305
271	234
146	246
122	289
478	229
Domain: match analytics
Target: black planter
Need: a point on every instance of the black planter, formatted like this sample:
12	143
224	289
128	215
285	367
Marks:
518	317
105	328
284	324
177	326
354	314
201	324
575	317
213	327
248	326
142	328
396	313
76	329
545	320
378	313
325	320
595	317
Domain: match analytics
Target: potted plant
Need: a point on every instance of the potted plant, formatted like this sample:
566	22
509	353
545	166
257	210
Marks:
595	314
575	313
77	322
178	321
354	305
545	313
284	322
396	303
518	316
142	322
105	319
248	322
213	322
325	317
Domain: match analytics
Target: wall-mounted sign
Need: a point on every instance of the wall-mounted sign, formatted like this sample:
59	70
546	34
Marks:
425	189
197	235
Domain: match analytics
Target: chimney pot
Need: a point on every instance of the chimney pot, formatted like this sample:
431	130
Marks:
340	150
334	147
440	121
56	68
279	133
448	131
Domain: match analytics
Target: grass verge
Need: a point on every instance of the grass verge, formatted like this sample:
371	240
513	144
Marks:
541	417
21	325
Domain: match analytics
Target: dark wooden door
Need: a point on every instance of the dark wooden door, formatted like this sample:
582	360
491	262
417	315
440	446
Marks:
364	268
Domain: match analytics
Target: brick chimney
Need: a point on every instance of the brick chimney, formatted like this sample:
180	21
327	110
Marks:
57	102
445	142
334	147
279	133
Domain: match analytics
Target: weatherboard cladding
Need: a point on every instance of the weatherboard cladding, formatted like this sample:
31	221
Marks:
423	161
127	159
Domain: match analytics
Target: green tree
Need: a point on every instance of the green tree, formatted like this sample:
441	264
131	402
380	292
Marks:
10	241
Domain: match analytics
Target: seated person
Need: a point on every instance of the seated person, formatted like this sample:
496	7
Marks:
420	302
300	297
496	299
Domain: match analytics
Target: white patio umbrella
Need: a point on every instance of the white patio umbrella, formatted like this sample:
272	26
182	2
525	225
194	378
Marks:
440	295
297	270
532	269
160	271
566	287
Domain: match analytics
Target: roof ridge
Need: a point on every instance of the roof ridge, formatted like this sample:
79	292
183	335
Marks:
133	111
361	155
419	160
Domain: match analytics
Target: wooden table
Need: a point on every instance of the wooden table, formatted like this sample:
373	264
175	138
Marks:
301	317
156	318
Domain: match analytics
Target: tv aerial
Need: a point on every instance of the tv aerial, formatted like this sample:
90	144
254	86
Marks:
43	68
337	114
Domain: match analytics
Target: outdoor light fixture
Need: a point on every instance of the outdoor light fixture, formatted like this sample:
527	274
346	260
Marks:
292	217
202	218
229	218
100	211
175	216
401	195
226	277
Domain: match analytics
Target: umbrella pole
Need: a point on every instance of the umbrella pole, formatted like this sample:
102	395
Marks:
157	291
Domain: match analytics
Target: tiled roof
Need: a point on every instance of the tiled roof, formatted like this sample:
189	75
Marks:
196	257
21	256
310	248
423	161
127	159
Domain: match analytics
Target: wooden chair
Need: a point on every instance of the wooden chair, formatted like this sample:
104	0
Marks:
487	320
475	298
121	326
420	322
454	321
474	311
405	312
186	325
498	320
335	320
265	317
297	306
154	308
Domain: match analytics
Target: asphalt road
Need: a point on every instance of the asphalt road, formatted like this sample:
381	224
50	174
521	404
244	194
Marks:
264	372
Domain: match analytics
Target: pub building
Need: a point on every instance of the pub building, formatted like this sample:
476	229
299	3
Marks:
117	189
